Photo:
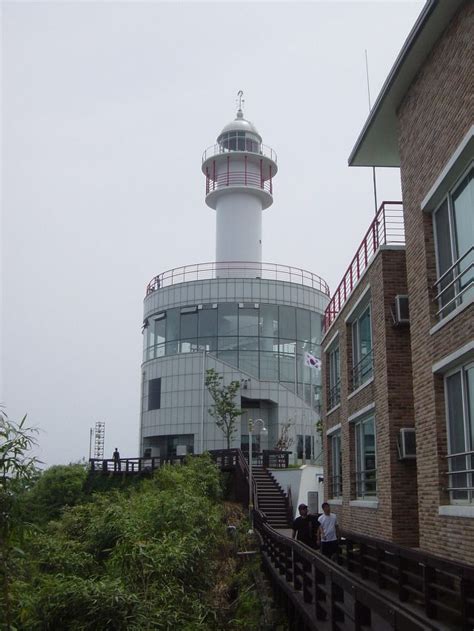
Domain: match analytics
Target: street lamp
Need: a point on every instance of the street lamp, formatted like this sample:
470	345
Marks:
250	428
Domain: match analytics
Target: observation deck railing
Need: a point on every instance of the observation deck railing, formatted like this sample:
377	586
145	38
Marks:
238	178
261	271
386	229
262	150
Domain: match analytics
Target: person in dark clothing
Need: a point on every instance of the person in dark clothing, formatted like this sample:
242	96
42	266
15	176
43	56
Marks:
305	527
116	457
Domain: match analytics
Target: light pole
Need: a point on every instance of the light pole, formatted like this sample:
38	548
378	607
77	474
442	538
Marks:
250	428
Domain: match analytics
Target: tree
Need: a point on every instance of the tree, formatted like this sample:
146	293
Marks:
17	468
285	440
224	410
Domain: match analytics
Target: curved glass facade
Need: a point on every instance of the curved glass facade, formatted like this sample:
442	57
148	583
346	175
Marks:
268	341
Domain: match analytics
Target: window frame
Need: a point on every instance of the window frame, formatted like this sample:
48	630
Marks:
468	439
359	378
452	271
360	474
335	491
334	375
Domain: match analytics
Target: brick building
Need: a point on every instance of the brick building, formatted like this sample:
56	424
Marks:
389	377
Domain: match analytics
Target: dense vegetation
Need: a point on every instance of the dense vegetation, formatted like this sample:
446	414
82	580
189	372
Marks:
152	555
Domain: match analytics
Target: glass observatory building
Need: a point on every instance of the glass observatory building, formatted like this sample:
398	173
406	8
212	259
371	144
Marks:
252	321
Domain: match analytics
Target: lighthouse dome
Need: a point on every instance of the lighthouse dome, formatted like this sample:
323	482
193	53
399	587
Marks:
240	135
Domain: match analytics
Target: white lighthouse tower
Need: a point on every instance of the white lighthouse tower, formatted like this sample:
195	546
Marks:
239	172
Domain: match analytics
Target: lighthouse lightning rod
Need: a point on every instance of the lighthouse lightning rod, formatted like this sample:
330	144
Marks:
370	107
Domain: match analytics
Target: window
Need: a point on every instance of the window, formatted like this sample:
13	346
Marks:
454	238
307	447
334	378
366	481
459	389
361	349
335	481
154	394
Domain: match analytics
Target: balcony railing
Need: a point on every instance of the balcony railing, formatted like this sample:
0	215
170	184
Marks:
334	395
386	229
260	271
262	150
456	285
461	476
238	178
363	370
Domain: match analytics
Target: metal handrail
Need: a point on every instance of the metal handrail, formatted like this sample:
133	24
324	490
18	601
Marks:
217	150
238	178
334	395
358	370
263	271
454	283
386	229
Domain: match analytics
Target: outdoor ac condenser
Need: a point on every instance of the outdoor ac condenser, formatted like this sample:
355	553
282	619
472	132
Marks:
407	444
402	313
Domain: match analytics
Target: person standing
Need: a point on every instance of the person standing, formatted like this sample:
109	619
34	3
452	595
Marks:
328	533
304	527
116	457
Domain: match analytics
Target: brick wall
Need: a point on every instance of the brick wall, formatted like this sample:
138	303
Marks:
434	116
390	391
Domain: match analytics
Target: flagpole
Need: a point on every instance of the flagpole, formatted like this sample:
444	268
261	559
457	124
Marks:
311	415
202	397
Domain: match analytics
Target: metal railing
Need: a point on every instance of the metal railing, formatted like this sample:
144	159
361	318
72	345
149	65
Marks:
461	476
386	229
363	370
217	150
334	395
334	486
453	285
366	484
131	465
262	271
239	178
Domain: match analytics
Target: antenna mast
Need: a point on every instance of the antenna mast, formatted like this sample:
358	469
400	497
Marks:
374	179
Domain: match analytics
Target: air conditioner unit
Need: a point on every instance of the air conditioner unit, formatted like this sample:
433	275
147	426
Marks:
402	313
407	444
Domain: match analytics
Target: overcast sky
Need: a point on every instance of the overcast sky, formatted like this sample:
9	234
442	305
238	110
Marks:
106	110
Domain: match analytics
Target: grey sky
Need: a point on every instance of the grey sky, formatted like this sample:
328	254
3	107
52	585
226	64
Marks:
107	108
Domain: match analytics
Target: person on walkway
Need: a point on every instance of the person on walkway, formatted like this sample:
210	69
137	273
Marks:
116	457
328	533
305	526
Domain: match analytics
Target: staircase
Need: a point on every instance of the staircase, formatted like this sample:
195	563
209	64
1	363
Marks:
271	499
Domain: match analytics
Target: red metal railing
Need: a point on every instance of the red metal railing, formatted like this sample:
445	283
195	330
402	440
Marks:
238	178
386	229
267	271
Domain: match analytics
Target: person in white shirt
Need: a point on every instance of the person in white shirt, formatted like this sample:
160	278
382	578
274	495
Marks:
328	533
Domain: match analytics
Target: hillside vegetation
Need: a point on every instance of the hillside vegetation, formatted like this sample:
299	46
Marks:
152	555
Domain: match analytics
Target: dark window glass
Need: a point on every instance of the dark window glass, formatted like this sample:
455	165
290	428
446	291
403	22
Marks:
227	319
228	343
154	394
207	344
248	321
160	331
189	325
230	357
248	362
445	255
207	323
248	343
287	322
303	328
268	321
269	366
316	328
172	325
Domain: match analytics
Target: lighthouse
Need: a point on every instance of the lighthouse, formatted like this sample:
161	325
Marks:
251	321
239	172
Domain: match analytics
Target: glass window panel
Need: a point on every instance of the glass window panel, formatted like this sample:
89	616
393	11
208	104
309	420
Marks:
269	344
189	346
287	322
268	323
470	404
230	357
172	347
248	321
189	325
287	368
463	203
228	343
207	344
248	343
248	362
160	350
160	331
207	323
316	328
445	255
269	366
457	442
303	325
227	319
172	325
365	335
